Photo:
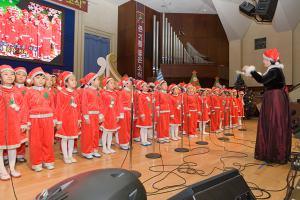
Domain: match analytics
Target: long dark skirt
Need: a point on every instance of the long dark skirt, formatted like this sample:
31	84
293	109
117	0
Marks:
273	141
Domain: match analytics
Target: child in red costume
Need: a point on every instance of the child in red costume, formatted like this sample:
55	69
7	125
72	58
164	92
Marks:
215	111
241	107
176	111
90	108
191	110
68	111
125	123
162	102
222	99
12	120
42	118
144	109
227	112
234	108
112	113
203	110
21	75
136	131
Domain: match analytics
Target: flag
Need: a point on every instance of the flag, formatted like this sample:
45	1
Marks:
160	76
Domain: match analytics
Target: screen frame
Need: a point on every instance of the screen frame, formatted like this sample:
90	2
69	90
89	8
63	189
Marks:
61	62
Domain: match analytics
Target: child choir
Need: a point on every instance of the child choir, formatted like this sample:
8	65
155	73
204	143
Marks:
35	108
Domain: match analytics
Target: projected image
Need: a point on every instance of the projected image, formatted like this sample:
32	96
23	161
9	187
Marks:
30	30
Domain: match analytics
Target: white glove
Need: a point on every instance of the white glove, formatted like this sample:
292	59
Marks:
248	70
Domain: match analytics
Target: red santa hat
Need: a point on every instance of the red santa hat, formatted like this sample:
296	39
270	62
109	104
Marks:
6	67
157	83
35	72
271	55
21	69
124	80
162	81
141	84
40	17
189	85
82	81
24	11
65	75
90	77
106	80
136	82
172	86
59	81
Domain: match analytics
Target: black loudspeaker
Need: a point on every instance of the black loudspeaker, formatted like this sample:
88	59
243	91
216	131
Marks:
247	8
229	185
102	184
266	9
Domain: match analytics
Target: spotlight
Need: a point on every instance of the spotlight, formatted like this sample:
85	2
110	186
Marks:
247	8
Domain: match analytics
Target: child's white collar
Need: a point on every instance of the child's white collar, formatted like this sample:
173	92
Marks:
39	88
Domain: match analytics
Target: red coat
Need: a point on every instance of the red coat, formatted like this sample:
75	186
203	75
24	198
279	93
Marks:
227	112
240	102
12	117
222	106
45	38
56	35
25	39
34	35
191	109
90	102
111	110
68	111
234	110
40	102
11	32
23	90
2	27
176	109
162	102
204	109
215	113
125	123
144	110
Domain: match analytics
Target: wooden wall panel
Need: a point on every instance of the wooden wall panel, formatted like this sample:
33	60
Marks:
126	38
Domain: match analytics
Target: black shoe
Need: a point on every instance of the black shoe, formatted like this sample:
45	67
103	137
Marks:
6	162
21	160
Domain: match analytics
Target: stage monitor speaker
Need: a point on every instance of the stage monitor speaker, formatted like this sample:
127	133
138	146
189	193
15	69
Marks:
247	8
102	184
229	185
266	9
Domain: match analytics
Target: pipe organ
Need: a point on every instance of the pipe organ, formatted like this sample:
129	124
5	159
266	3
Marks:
172	49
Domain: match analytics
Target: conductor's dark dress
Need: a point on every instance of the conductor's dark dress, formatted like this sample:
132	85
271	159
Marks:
273	141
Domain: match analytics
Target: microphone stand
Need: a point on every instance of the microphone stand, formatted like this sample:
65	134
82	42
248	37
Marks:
182	149
202	142
153	155
138	174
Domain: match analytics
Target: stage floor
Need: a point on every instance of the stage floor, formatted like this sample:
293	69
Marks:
207	158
